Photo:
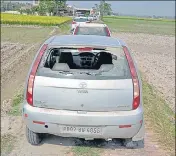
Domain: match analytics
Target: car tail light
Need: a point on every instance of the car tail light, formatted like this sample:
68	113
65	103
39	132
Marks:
29	94
73	22
76	30
85	49
108	32
136	90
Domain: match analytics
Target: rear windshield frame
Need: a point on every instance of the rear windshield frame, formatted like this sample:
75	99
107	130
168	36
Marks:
47	72
80	27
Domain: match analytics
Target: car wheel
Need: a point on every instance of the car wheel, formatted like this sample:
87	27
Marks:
128	143
32	137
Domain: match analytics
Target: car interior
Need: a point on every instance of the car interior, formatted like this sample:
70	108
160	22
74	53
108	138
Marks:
58	60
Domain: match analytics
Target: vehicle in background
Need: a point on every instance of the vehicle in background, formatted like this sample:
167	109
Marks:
94	17
86	87
92	29
90	18
78	20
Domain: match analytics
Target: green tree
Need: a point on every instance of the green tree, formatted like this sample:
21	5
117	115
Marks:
34	9
42	8
105	8
51	6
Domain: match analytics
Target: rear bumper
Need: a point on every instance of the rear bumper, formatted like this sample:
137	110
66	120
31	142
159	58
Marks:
108	121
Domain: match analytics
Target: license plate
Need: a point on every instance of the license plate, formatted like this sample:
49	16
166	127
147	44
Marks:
80	130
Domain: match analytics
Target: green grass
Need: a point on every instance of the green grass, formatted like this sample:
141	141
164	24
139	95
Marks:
63	29
16	111
29	35
86	151
7	144
159	117
140	26
140	18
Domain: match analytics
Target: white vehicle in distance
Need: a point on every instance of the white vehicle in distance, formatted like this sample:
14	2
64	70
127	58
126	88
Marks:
92	29
90	18
78	20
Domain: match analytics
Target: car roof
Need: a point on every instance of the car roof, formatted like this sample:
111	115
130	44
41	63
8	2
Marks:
85	40
92	25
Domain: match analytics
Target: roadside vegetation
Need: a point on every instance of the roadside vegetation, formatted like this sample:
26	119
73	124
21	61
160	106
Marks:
140	25
16	105
33	20
159	117
86	151
139	18
7	144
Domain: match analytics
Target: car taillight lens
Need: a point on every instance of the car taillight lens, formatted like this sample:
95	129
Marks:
29	93
76	30
136	90
73	22
108	32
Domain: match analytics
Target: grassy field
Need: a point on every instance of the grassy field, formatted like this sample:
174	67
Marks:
24	35
135	25
29	35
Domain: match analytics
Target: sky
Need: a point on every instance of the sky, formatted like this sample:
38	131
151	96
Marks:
140	8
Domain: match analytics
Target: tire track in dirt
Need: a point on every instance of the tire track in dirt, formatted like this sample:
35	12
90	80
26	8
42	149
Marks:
14	70
6	47
5	57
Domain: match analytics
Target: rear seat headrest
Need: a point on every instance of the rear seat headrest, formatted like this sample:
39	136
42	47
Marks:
61	67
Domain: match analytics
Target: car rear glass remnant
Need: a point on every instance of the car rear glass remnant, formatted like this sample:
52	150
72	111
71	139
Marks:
71	62
101	31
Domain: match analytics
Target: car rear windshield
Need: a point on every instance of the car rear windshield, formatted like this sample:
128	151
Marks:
81	63
101	31
80	19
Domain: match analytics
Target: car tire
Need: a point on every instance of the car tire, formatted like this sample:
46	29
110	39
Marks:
128	143
32	137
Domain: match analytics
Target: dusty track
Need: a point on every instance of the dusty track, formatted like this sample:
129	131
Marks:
16	59
155	55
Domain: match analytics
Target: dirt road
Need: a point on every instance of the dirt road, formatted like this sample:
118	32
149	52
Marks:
155	56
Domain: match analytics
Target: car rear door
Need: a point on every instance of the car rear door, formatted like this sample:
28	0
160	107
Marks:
84	94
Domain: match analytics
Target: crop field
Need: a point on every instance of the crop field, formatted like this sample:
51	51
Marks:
141	25
33	20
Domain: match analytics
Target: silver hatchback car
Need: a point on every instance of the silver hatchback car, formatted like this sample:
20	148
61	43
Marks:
85	87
